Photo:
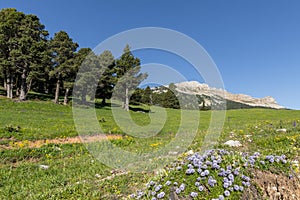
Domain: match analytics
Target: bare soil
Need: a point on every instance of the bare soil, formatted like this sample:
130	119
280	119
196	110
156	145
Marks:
68	140
273	187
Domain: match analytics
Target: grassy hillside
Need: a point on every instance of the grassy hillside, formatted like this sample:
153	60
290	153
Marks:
74	174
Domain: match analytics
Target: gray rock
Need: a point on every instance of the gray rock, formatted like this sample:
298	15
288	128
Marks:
233	143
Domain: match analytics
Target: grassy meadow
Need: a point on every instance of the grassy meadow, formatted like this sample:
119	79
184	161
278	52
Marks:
74	173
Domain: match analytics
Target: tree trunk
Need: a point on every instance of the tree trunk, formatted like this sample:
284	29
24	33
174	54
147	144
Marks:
23	91
9	86
66	96
29	86
92	98
103	103
83	96
126	106
5	82
151	101
56	99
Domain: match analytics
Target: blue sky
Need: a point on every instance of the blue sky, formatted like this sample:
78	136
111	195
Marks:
255	44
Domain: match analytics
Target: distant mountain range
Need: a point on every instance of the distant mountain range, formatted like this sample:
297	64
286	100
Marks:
233	101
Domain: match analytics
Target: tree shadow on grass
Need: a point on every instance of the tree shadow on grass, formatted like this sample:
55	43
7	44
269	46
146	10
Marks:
137	109
2	91
39	96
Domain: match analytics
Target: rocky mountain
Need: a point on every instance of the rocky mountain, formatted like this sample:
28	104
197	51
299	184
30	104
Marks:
233	101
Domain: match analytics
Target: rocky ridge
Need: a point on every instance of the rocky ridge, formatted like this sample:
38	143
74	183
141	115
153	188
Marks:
218	95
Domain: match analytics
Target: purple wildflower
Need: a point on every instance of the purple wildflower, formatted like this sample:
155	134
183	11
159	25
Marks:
206	172
227	193
241	188
161	195
182	187
221	197
194	194
200	188
225	185
157	188
236	187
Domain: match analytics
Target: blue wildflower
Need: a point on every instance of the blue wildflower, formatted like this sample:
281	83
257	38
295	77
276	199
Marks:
226	193
182	187
241	188
157	188
161	195
225	185
194	194
200	188
206	172
231	177
236	187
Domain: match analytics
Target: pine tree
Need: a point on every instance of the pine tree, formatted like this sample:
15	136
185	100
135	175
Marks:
129	76
147	96
23	42
88	76
108	77
63	51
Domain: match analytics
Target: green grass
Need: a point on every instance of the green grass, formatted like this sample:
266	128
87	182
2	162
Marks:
37	120
75	174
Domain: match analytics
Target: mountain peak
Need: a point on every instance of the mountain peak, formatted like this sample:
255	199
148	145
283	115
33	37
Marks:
233	100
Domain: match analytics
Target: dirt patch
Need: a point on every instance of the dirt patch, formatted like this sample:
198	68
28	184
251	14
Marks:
68	140
272	186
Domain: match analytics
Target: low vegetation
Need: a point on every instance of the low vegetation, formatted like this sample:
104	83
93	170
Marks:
69	171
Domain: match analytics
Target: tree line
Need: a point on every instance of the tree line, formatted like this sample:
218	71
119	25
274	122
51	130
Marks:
170	97
31	61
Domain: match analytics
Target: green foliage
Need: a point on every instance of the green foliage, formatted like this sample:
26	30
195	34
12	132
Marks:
170	100
63	52
108	77
166	97
23	42
11	128
88	75
129	76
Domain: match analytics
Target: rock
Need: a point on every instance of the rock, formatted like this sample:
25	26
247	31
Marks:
282	130
196	88
233	143
190	152
44	166
98	175
57	148
173	153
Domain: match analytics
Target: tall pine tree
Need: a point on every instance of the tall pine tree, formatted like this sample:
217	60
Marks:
108	77
63	51
129	75
88	75
23	42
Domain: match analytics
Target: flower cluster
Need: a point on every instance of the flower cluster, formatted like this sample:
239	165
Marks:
198	174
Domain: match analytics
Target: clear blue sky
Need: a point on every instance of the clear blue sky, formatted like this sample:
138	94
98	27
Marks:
254	43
